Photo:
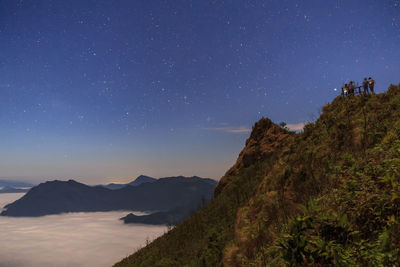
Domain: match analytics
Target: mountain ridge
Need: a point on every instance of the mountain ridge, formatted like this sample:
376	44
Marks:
14	186
54	197
297	199
138	181
11	189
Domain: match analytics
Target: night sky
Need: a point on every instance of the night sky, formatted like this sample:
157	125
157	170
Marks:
103	91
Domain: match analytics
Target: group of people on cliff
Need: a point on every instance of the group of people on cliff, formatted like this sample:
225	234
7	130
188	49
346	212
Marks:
350	88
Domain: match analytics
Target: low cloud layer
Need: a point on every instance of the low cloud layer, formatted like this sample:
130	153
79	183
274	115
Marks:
234	130
74	239
296	126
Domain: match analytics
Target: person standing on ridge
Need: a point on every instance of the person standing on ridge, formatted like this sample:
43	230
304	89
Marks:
345	89
371	85
352	88
365	85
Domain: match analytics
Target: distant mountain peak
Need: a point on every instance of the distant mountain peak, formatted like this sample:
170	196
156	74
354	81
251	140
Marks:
141	179
144	177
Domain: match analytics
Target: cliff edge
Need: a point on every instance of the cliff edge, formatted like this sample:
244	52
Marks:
329	195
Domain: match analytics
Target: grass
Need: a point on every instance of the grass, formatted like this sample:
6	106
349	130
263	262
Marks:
327	196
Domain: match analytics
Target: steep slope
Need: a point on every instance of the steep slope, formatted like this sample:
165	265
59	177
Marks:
200	240
335	160
327	196
341	178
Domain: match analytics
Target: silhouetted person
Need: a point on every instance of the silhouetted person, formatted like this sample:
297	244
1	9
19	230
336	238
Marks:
371	85
352	87
365	86
345	89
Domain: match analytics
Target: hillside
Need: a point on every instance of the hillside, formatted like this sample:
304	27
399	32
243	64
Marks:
164	194
327	196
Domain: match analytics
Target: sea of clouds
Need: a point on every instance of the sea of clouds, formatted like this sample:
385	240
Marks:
73	239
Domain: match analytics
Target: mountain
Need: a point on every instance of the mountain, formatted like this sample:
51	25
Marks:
56	197
12	186
10	189
327	196
138	181
15	184
142	179
113	186
171	217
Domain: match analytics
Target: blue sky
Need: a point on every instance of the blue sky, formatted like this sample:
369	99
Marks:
106	90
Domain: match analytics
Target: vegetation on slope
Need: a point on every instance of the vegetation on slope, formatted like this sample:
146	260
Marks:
327	196
325	202
201	239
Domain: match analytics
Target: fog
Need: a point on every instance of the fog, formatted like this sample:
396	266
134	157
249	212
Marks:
73	239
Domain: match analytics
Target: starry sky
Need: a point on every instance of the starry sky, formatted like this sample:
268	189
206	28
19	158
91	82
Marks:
102	91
